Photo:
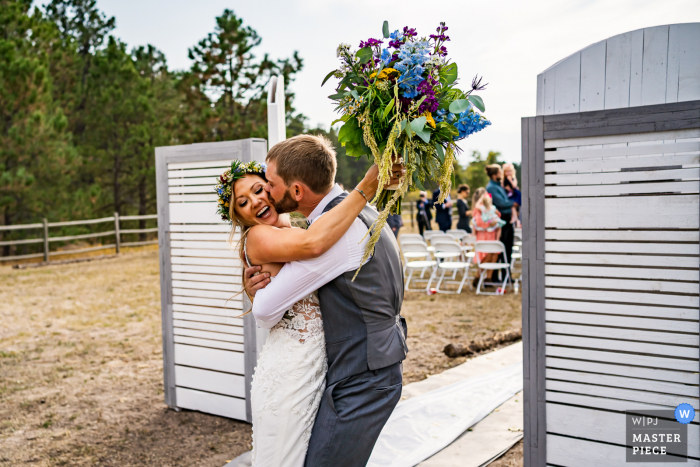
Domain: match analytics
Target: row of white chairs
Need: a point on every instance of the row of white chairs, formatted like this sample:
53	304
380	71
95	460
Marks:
447	255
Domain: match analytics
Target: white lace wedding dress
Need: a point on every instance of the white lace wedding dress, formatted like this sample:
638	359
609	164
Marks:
288	384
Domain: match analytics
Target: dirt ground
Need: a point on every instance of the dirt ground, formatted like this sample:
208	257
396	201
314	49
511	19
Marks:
81	366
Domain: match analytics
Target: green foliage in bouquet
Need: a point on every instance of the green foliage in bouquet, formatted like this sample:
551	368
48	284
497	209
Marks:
401	104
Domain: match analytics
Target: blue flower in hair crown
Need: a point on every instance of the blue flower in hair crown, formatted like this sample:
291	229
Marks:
225	183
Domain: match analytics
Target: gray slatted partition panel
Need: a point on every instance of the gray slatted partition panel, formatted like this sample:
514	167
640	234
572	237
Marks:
209	353
648	66
612	254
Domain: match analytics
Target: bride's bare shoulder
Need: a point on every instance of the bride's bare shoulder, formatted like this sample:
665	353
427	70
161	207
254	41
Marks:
260	233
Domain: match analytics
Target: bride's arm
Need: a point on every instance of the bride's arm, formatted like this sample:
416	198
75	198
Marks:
268	244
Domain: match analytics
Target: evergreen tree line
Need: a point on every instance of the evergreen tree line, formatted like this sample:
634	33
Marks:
81	112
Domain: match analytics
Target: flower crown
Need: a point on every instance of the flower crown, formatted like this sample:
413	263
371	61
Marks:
225	183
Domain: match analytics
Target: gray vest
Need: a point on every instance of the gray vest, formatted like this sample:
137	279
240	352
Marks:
361	320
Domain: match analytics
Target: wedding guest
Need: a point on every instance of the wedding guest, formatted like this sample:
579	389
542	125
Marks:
485	230
395	222
443	211
510	183
463	208
503	204
423	214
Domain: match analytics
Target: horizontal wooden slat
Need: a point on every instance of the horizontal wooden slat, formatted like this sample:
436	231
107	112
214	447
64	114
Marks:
615	165
211	359
213	327
209	343
620	213
204	318
600	402
204	245
622	284
622	190
182	276
212	302
20	227
665	363
622	297
622	321
622	309
207	310
600	425
23	242
85	222
204	189
234	264
623	346
658	136
219	336
232	271
221	227
194	213
206	172
614	178
223	164
209	182
231	288
223	253
668	338
622	370
624	235
207	294
210	381
630	273
648	397
623	382
225	406
218	237
622	260
193	198
606	152
581	453
608	247
136	218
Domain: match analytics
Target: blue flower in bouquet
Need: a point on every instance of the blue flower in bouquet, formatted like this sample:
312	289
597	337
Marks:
443	115
396	39
469	122
386	57
412	57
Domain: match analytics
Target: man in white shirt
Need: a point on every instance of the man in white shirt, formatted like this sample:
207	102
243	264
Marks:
365	334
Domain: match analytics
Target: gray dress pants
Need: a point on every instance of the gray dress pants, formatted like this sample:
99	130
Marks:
353	412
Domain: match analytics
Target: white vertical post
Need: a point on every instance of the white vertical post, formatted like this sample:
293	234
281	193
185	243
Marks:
117	234
276	124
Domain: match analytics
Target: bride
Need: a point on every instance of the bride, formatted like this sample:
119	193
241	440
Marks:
289	379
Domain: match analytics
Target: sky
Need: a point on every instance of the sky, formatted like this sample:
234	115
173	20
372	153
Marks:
509	42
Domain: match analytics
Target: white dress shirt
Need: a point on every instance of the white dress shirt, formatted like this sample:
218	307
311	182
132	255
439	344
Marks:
297	279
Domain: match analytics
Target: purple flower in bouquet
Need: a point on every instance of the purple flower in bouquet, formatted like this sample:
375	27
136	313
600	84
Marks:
370	43
396	39
430	103
409	32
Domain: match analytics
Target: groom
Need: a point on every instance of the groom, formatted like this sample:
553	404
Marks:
365	335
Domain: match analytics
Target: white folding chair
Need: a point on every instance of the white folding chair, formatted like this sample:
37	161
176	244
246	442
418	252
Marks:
497	247
411	238
452	261
417	258
458	234
427	234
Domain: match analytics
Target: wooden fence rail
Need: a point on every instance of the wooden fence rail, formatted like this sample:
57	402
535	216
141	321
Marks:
46	239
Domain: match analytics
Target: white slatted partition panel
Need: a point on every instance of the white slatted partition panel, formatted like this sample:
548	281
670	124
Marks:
649	66
621	286
201	280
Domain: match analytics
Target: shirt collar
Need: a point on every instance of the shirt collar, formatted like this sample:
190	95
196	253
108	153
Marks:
333	194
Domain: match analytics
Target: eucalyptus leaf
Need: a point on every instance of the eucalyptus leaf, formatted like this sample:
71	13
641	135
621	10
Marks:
340	95
409	131
478	103
449	73
418	124
424	134
440	152
355	94
328	76
385	29
459	106
388	108
364	54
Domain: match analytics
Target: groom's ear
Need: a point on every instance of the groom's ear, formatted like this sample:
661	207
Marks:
297	190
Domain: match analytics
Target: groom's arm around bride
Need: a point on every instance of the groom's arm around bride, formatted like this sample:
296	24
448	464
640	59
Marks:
365	334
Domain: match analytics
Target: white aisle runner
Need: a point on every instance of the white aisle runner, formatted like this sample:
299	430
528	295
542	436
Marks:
425	424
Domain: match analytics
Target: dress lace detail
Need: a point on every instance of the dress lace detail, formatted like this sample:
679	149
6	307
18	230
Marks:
288	385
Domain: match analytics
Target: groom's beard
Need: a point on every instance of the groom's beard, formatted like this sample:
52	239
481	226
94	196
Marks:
286	204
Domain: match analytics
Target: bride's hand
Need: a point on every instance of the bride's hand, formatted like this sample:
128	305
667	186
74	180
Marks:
370	182
252	283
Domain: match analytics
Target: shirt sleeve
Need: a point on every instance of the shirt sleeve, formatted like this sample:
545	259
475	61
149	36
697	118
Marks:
297	279
500	200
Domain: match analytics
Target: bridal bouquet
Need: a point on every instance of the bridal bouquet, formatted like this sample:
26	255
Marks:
400	102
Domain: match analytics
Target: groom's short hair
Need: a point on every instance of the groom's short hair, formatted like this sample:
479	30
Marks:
309	159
